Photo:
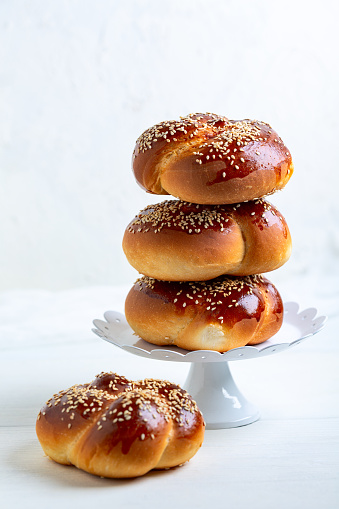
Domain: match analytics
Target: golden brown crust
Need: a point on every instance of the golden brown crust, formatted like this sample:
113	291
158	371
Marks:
225	313
180	241
113	427
209	159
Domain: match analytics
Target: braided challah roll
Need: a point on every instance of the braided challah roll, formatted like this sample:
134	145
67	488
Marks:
209	159
113	427
180	241
221	314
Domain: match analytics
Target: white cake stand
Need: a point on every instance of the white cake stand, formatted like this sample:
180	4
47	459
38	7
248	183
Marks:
209	380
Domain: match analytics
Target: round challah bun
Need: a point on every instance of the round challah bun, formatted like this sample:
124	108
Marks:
113	427
180	241
208	159
221	314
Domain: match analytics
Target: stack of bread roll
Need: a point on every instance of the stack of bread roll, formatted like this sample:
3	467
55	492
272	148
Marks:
202	254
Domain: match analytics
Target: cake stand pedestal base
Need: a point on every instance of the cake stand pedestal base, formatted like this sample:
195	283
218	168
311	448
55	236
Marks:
212	386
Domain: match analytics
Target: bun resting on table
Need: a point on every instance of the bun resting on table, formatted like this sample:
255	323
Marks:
113	427
179	241
221	314
209	159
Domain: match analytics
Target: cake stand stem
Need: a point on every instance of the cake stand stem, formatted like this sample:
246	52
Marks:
212	386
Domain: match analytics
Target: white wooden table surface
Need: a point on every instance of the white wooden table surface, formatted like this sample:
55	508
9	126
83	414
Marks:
288	459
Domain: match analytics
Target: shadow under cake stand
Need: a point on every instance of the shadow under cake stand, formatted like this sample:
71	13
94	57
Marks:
209	380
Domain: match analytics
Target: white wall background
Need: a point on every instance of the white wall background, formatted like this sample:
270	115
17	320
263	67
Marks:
81	79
